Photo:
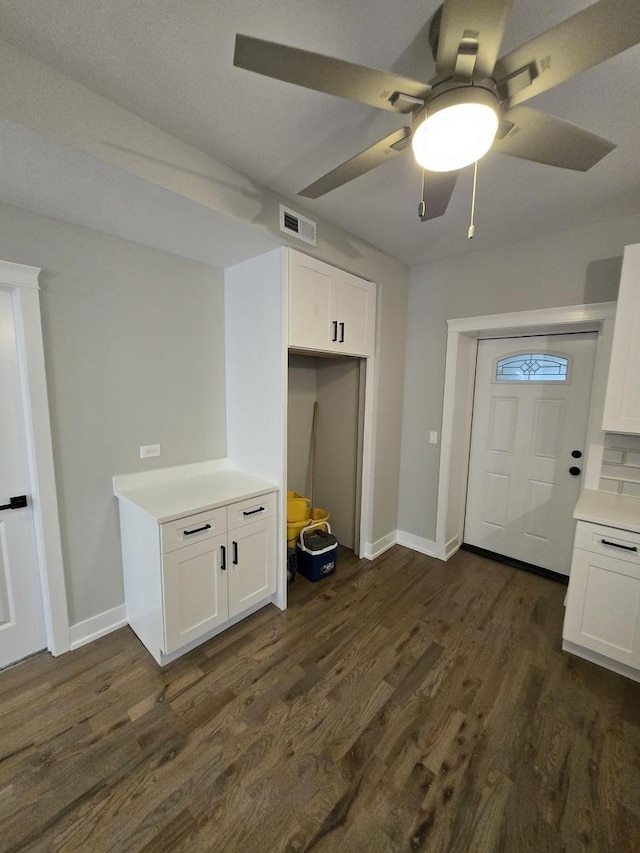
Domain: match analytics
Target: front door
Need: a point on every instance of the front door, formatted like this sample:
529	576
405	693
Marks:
22	629
529	427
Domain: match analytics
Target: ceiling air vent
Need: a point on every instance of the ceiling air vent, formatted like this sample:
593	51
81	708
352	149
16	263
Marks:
296	225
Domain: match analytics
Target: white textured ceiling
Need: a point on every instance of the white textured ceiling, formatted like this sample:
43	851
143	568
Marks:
171	64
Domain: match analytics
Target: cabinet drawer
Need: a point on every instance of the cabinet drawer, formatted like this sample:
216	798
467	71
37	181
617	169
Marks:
192	528
246	512
608	541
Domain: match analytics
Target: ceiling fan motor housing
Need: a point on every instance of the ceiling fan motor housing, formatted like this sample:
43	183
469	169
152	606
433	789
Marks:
450	93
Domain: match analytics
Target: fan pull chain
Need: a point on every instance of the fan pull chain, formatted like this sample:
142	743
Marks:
422	207
472	227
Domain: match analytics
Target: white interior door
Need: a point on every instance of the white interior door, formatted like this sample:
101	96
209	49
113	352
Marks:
530	415
22	629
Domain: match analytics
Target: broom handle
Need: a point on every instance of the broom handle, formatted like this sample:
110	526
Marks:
314	430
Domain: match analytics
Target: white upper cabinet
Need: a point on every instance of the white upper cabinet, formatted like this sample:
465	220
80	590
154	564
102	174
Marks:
622	404
329	310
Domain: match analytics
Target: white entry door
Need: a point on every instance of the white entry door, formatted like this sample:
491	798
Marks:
22	629
529	427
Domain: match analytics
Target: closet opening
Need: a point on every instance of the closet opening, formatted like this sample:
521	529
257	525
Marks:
337	385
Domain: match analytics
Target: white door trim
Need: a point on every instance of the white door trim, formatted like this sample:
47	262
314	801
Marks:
462	337
22	282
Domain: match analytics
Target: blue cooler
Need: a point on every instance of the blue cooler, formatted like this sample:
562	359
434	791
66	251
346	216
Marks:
317	552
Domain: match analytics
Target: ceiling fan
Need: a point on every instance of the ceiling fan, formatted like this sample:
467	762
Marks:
474	102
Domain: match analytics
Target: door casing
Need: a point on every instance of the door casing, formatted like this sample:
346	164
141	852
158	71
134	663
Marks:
462	343
22	283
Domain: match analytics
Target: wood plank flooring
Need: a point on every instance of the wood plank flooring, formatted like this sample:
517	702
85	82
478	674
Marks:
403	704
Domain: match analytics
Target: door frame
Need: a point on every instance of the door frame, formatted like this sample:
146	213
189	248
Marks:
22	283
462	344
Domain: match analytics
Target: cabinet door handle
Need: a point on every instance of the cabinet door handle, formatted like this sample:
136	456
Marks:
224	558
616	545
253	511
335	331
341	333
197	530
235	553
15	503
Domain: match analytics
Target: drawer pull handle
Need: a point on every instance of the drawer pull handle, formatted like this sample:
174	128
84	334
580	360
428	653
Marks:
15	503
197	530
235	553
224	558
253	511
616	545
341	333
334	338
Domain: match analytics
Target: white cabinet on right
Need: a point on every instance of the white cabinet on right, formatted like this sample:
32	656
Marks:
330	310
622	403
603	600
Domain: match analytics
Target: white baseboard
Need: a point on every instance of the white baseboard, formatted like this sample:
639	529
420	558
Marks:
417	543
97	626
374	549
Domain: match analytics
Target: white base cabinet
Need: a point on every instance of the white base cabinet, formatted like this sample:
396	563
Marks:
603	599
188	578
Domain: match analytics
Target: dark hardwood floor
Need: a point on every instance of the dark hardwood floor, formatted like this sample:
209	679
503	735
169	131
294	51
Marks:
403	704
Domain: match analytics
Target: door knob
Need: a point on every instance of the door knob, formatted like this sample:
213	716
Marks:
574	471
576	454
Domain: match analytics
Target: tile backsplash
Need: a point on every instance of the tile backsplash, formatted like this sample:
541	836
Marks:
621	464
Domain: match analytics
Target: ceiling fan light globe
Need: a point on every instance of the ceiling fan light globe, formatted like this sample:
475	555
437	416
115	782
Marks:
455	136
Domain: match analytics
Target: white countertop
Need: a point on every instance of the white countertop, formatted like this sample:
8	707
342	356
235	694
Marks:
620	511
170	493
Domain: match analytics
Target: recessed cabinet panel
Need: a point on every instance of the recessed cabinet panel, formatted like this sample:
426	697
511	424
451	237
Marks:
602	584
194	592
603	607
353	307
310	320
252	567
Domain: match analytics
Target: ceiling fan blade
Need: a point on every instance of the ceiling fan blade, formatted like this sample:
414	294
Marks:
379	152
325	74
468	22
544	138
439	188
586	39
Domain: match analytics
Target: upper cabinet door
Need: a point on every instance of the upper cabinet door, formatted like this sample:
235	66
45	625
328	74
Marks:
329	310
354	307
622	403
310	325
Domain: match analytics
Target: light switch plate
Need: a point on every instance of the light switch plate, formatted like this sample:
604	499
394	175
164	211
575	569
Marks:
433	437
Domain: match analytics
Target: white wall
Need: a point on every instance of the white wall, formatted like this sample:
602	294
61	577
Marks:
338	423
134	351
569	268
303	393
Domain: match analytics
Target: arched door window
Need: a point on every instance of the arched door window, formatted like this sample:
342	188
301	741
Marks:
532	367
